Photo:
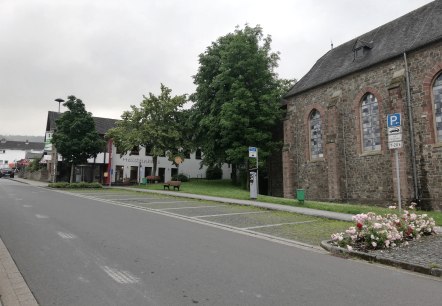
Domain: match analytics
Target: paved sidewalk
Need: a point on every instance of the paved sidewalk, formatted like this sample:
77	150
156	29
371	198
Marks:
13	289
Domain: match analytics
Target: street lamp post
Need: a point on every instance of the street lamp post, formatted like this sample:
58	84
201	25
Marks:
55	155
59	100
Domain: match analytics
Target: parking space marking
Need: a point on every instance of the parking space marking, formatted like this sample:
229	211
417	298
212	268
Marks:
232	214
176	208
130	199
168	202
27	205
226	227
41	216
279	224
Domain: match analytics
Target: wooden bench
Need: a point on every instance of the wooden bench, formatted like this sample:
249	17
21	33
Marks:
175	184
153	178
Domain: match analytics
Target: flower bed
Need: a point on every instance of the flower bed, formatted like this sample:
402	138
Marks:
373	231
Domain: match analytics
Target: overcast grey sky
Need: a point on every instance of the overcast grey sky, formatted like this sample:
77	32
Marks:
110	53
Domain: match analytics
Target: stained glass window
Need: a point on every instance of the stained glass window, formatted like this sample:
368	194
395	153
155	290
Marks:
316	135
371	131
437	98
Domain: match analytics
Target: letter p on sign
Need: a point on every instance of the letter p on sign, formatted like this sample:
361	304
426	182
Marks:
394	120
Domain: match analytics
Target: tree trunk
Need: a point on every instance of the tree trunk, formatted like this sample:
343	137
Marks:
72	173
247	176
154	160
233	175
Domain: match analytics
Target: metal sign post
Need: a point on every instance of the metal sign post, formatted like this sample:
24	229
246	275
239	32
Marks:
253	153
395	143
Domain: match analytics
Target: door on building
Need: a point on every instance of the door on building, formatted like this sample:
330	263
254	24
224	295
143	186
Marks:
173	172
133	178
148	171
119	171
161	173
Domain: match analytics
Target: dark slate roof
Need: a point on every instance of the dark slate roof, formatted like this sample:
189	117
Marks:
21	145
414	30
33	155
102	125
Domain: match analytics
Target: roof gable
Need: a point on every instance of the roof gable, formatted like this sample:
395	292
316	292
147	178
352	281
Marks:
21	145
409	32
102	125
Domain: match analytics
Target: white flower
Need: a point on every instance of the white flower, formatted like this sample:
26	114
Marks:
349	248
377	225
374	244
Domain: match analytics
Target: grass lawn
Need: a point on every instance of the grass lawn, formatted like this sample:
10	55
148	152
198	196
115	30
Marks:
224	189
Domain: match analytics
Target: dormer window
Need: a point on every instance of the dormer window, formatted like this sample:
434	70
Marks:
361	47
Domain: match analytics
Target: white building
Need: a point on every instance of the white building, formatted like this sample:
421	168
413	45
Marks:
14	151
131	167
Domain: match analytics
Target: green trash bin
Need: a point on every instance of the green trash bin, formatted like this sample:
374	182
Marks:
144	181
300	195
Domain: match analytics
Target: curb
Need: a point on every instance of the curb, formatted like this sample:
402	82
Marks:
13	288
385	261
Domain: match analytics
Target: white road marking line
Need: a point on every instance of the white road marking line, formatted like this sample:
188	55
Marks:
279	224
121	277
175	208
170	202
41	216
27	206
128	199
66	235
232	214
83	280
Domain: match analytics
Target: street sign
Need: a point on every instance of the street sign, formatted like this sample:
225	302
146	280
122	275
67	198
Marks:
253	152
394	130
395	145
394	137
394	120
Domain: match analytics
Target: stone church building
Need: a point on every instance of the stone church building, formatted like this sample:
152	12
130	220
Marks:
336	135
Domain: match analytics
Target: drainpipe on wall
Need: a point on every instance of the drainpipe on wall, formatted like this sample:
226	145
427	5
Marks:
345	157
411	126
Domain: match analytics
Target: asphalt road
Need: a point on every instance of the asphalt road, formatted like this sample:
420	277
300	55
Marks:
73	250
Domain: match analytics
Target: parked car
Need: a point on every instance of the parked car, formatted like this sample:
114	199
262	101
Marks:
7	172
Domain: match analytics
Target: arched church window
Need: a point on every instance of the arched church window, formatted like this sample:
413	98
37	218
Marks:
370	127
315	123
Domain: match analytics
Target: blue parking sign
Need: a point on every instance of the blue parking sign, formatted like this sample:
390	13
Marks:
394	120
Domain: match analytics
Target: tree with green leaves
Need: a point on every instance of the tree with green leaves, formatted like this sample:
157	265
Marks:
238	95
75	137
158	124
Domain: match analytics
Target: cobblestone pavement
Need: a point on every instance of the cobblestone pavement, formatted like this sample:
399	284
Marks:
425	252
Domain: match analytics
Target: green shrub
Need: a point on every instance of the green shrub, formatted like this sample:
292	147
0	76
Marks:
75	185
214	173
180	177
35	166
